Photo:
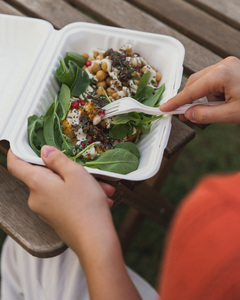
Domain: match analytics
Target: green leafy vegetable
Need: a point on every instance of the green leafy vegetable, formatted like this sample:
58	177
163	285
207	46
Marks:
64	102
80	83
75	57
119	131
67	77
130	147
154	99
35	133
117	160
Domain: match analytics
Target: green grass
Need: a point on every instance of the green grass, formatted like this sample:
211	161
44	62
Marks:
213	150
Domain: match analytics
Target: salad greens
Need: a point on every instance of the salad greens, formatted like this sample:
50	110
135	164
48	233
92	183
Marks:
47	129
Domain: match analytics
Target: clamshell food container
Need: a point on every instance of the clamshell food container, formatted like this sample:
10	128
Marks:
30	50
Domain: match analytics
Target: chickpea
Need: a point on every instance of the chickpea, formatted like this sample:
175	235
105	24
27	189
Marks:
155	84
135	74
115	83
114	95
152	67
90	58
100	56
101	75
90	69
110	91
136	82
85	55
84	67
96	67
129	51
158	76
108	79
104	66
144	70
103	84
126	92
100	91
95	54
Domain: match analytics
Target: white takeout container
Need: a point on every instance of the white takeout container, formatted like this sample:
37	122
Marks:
30	50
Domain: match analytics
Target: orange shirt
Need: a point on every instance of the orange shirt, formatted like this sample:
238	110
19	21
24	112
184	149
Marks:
202	256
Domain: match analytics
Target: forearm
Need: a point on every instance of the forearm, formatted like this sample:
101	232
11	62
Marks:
100	254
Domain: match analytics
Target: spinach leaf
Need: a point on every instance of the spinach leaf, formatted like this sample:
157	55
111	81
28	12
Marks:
50	110
67	77
119	131
80	83
50	129
117	160
143	82
121	119
35	133
75	57
149	119
135	118
144	93
145	127
130	147
66	144
64	102
154	99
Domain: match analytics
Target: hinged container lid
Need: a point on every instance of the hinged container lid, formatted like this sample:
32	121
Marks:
22	42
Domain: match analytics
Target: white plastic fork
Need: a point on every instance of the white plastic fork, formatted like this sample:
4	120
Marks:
127	104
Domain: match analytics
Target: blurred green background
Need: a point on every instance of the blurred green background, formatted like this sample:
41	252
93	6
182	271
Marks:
213	150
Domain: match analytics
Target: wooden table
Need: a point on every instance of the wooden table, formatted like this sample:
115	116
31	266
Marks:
209	33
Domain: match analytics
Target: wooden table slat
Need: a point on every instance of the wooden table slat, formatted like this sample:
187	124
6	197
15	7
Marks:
227	11
57	12
15	217
196	24
7	9
131	17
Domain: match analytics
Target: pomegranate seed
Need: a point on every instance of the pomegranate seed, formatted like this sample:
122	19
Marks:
75	105
81	102
88	63
91	139
101	112
83	144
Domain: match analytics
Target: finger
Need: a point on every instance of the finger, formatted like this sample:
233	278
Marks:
108	189
110	202
33	176
60	163
195	76
225	113
200	88
19	168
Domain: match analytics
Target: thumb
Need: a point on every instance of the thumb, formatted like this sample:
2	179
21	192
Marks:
58	162
225	113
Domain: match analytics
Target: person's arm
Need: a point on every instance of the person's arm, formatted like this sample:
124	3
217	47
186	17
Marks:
70	200
217	82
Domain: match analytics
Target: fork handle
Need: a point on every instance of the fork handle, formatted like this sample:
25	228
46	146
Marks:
181	109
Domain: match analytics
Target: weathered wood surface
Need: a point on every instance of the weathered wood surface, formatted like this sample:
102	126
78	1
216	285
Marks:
125	15
225	10
57	12
196	24
207	40
15	216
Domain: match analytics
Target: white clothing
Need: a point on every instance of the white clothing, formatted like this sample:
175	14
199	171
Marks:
59	278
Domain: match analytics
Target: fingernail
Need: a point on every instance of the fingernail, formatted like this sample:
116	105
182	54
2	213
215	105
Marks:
189	114
46	151
161	107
